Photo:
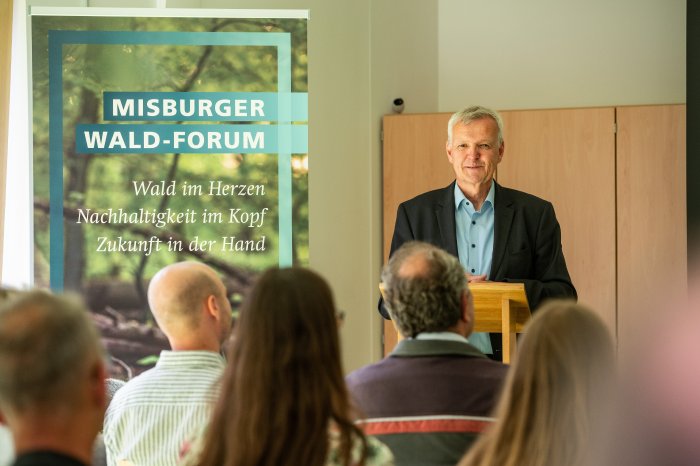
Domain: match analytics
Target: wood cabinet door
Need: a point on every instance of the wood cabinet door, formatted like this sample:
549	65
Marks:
651	215
567	156
414	161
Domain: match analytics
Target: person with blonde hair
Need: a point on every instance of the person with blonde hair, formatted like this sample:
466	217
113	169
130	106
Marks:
283	399
555	394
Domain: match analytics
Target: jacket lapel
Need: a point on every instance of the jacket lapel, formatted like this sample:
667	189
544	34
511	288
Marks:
503	218
445	216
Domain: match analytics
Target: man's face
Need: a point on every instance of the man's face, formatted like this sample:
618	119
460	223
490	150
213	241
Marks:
474	152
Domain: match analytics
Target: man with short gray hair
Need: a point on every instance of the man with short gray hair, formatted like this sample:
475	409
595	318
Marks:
52	389
498	234
433	394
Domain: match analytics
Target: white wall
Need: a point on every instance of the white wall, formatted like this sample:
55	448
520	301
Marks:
403	64
404	44
515	54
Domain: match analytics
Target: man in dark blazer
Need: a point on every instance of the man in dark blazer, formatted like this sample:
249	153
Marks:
499	234
434	393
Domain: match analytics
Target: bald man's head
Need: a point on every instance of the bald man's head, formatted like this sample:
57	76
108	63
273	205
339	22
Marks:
181	296
415	265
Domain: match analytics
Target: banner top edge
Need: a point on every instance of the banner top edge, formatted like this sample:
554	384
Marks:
169	12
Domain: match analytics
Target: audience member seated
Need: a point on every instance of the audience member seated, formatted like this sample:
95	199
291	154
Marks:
556	394
153	413
283	399
52	379
434	393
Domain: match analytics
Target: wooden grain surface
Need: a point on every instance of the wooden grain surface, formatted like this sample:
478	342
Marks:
568	158
651	219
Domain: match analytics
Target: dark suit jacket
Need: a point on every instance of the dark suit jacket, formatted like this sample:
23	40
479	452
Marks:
526	244
424	380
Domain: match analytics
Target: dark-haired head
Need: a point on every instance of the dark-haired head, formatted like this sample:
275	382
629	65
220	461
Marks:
289	322
284	382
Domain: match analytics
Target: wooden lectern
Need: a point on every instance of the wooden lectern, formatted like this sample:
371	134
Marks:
500	308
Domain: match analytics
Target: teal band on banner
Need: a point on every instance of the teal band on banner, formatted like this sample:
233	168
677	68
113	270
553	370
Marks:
200	106
290	107
188	139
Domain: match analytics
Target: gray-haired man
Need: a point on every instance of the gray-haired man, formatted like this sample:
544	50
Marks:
52	389
433	394
498	234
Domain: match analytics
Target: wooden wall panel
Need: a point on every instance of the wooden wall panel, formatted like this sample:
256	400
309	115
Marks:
568	158
414	161
651	217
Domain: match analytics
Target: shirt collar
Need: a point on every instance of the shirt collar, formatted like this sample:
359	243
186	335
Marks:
450	336
460	197
193	358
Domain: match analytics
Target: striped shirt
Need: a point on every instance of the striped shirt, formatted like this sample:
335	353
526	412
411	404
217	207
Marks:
154	413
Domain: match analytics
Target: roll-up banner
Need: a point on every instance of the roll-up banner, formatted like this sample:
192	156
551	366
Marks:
162	136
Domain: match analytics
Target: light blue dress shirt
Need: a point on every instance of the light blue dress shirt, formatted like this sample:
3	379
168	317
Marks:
474	231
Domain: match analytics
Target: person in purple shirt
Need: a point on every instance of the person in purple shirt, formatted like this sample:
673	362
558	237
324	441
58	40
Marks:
433	394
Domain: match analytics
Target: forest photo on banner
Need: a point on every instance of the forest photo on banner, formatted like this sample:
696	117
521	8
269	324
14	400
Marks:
163	139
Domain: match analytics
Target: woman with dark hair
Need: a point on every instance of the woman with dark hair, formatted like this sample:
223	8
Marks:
283	399
553	404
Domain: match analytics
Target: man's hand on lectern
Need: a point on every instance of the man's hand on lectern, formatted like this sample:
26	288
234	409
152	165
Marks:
475	278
